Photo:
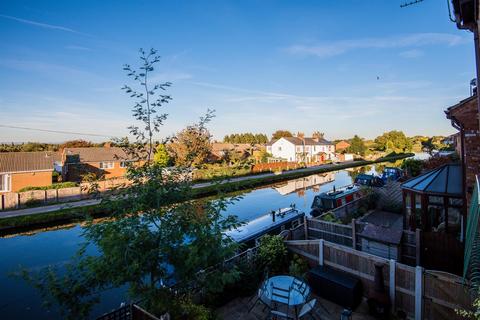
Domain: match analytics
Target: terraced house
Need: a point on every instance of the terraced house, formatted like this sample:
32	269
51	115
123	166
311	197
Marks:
26	169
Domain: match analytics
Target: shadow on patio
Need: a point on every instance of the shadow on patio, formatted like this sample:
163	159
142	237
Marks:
237	309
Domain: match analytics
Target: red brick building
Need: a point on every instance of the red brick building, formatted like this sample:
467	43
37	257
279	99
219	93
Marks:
465	118
105	163
341	146
26	169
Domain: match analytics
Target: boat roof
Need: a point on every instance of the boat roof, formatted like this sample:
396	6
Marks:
340	192
263	224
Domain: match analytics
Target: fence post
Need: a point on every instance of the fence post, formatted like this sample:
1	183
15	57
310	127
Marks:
392	282
418	292
354	234
305	225
320	252
418	246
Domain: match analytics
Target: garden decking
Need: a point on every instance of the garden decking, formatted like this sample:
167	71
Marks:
237	309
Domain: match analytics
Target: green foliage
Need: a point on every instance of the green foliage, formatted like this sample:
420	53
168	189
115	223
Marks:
428	146
264	155
248	137
357	146
330	217
191	146
281	133
160	240
220	171
272	254
298	267
471	314
413	167
161	156
60	185
393	141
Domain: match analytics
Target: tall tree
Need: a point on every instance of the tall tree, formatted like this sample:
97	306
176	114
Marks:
393	141
357	146
148	99
191	146
155	237
428	146
281	134
161	156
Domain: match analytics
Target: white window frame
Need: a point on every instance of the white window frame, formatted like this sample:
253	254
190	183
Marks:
6	182
123	164
107	165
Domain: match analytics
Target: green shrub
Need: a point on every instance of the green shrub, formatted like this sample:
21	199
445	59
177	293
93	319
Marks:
60	185
33	203
298	267
272	254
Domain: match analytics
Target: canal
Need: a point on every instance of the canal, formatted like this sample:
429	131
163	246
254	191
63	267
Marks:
39	249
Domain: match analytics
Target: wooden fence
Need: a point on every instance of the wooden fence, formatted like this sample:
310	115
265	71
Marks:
348	235
276	166
131	312
421	294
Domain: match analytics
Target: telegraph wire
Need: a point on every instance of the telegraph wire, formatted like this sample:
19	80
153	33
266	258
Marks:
56	131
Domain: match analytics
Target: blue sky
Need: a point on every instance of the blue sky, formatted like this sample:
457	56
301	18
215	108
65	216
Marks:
340	67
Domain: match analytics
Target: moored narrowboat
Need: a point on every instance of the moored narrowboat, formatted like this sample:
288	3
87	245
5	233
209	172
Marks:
330	200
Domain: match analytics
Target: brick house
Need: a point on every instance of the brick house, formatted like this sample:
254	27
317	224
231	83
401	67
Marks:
341	146
105	162
465	118
26	169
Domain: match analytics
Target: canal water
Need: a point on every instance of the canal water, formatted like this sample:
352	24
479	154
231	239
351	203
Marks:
18	300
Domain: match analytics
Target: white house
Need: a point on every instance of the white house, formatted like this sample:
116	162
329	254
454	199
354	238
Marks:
295	149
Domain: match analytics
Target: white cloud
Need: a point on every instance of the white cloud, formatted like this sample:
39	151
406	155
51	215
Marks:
42	25
325	50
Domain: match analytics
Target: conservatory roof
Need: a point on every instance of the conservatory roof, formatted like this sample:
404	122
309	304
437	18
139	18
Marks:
445	180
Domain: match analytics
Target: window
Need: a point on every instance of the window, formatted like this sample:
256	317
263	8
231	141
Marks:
123	164
5	182
279	148
106	165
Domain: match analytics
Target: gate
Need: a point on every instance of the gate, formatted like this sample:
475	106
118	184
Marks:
442	251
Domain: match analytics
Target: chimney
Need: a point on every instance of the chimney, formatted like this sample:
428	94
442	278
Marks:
107	144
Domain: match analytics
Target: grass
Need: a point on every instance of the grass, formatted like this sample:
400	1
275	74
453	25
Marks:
79	214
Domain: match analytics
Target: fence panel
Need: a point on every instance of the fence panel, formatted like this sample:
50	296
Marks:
443	293
329	231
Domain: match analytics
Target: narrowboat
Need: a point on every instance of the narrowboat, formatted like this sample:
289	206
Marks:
330	200
391	174
369	180
270	223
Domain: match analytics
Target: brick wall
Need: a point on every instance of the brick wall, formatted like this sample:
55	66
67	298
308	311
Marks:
75	171
31	179
467	115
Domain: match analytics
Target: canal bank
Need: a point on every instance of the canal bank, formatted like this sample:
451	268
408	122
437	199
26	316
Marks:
57	245
80	210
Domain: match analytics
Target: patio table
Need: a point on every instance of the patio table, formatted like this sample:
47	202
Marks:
286	282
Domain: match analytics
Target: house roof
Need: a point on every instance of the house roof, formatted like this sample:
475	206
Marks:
382	234
27	161
444	180
97	154
461	103
299	142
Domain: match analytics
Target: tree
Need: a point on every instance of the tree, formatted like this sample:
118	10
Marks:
428	146
281	134
393	141
357	146
250	138
191	146
76	144
159	240
161	156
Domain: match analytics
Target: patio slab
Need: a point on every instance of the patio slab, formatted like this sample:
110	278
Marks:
237	309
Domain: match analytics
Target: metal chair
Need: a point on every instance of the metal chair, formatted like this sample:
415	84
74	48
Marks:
280	295
300	286
307	309
260	296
